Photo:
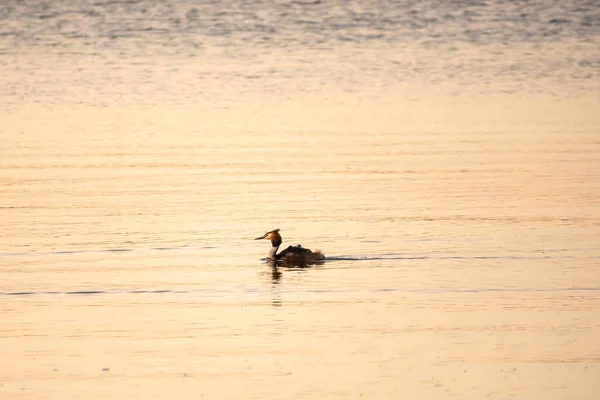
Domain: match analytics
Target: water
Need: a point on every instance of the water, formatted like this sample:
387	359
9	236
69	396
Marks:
445	158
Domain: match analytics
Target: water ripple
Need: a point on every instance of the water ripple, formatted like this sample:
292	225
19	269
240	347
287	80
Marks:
306	291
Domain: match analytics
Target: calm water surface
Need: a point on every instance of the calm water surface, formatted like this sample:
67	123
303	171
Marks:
445	159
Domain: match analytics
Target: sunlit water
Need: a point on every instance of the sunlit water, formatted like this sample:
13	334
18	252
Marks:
445	159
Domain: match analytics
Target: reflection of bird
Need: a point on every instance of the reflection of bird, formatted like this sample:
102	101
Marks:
293	256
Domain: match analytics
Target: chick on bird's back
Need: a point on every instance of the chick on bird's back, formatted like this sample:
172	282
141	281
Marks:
292	256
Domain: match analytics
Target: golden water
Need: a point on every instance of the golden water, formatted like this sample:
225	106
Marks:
464	263
460	218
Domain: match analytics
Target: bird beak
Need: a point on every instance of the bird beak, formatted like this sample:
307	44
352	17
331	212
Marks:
262	237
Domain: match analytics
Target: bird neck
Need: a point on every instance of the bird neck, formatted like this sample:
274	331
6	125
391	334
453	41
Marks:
275	243
273	252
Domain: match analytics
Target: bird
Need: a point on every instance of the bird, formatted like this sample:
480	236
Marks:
292	256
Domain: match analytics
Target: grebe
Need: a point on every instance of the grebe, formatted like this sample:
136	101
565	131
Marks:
293	256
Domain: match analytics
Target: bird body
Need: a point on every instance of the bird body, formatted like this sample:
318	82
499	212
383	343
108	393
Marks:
295	256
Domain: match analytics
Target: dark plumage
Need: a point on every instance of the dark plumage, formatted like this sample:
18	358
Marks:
292	256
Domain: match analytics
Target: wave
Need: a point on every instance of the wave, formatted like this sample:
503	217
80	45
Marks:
424	291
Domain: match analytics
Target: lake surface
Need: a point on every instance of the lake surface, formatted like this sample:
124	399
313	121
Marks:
446	159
